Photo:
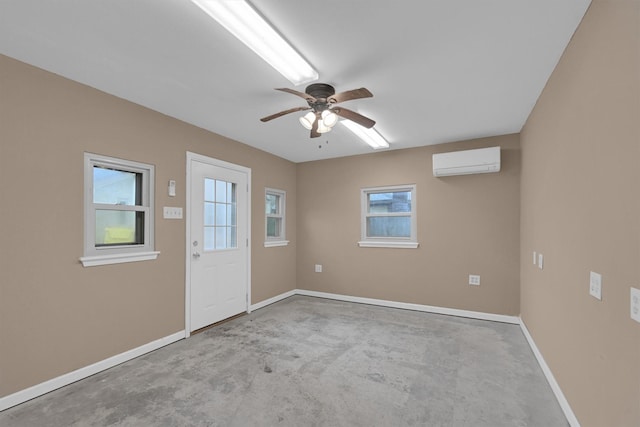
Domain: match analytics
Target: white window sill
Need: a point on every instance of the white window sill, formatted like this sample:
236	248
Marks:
388	244
275	243
91	261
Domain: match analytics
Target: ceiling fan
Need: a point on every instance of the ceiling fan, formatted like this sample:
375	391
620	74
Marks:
321	99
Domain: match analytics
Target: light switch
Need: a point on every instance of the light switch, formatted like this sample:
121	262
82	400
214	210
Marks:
172	188
540	261
595	285
169	212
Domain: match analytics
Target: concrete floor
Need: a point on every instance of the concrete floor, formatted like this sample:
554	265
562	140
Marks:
315	362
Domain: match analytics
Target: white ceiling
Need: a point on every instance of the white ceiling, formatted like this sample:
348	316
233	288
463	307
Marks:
439	70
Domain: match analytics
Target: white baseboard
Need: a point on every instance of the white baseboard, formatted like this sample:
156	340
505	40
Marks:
415	307
66	379
564	404
272	300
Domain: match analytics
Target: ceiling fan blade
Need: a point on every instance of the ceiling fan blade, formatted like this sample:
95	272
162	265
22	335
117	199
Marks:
349	95
314	128
354	117
282	113
302	95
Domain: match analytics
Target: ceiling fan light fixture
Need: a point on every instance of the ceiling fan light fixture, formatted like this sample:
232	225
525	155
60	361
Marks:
329	118
322	127
308	119
370	136
242	20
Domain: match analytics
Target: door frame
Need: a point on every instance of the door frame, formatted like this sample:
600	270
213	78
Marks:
222	164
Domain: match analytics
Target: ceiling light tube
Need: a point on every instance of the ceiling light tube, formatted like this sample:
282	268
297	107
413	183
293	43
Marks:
241	20
370	136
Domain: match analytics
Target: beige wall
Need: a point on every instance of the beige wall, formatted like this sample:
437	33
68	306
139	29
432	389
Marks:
581	209
466	225
55	315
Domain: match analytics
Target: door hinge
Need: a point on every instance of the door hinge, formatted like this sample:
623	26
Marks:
247	242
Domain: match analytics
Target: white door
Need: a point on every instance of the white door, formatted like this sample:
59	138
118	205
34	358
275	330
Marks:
218	244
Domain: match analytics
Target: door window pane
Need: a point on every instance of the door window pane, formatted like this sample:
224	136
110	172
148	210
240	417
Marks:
209	213
221	214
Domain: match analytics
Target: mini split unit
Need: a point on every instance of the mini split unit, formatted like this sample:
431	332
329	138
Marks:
467	162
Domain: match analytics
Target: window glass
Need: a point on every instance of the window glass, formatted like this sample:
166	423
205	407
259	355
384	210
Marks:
394	226
114	227
273	227
399	201
116	187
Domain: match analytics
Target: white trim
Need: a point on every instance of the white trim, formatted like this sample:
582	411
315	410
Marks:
388	244
219	163
91	261
273	300
71	377
555	387
274	243
415	307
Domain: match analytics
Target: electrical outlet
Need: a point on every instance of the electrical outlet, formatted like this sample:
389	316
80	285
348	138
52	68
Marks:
595	285
318	268
474	279
635	304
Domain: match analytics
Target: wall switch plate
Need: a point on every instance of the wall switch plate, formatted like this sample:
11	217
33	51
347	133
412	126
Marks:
535	258
635	304
595	285
318	268
474	279
169	212
172	188
540	261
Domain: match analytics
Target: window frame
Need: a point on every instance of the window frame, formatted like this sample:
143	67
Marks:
280	240
410	242
115	254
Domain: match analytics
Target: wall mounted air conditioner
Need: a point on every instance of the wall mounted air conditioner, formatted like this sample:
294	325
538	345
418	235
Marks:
482	160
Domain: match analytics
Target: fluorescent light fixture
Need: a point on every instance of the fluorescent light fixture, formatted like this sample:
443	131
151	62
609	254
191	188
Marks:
241	20
370	136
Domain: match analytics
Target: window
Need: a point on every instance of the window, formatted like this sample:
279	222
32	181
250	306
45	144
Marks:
118	211
220	217
275	201
389	217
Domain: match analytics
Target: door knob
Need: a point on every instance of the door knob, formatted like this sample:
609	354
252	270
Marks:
196	255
